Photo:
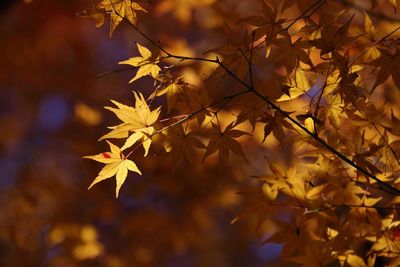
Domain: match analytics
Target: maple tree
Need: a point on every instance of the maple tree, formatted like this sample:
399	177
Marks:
316	77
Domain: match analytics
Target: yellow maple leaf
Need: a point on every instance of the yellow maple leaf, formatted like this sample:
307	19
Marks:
170	86
147	63
371	36
116	164
138	119
119	9
297	86
333	110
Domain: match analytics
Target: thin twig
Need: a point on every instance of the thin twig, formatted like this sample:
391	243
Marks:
251	61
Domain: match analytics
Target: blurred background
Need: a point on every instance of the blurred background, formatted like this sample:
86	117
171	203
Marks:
51	116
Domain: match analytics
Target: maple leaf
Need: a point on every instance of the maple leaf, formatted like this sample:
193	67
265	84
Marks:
116	164
342	63
170	86
257	204
183	144
274	124
387	242
289	54
197	100
235	54
275	86
289	183
295	87
120	9
389	65
267	25
371	36
348	90
138	119
333	39
147	63
294	234
251	109
223	142
334	110
342	191
361	153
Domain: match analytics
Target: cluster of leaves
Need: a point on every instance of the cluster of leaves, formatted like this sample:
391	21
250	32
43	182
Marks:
318	82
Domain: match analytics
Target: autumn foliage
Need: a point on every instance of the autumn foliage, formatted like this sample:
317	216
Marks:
316	76
282	113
